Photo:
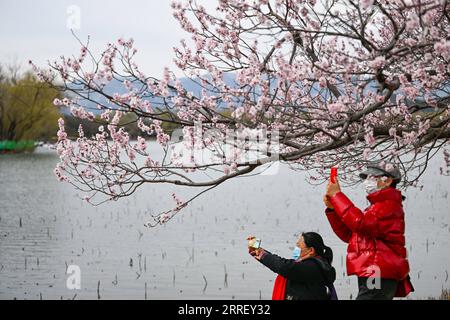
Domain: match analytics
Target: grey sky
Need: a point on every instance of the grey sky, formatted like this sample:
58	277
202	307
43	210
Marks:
38	30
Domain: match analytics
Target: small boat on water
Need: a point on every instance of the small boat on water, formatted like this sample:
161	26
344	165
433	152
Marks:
9	146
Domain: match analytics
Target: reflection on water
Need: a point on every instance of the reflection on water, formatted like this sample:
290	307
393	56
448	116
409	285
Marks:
201	254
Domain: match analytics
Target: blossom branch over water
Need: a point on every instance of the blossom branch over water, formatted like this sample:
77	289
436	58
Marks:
319	83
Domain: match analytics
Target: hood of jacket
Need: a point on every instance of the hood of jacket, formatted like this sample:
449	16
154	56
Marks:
328	270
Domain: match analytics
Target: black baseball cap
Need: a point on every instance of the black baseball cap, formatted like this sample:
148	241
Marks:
382	169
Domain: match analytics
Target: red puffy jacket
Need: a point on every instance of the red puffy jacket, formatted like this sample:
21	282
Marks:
376	237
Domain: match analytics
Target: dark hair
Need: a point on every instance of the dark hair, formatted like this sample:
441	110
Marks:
314	240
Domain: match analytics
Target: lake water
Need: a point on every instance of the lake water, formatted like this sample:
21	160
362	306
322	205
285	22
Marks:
200	254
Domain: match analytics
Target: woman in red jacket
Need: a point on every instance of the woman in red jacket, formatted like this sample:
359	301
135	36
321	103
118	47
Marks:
376	252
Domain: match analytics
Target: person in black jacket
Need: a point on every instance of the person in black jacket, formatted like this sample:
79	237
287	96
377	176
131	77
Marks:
311	276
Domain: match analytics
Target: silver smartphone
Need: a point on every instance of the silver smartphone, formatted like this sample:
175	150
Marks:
255	243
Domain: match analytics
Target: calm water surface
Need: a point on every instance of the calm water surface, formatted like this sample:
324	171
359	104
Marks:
201	254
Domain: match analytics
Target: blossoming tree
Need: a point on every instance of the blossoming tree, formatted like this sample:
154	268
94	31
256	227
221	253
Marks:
339	82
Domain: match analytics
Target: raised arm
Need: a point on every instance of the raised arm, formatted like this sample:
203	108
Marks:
291	269
367	223
340	229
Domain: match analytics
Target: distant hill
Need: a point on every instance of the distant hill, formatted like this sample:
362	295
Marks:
116	86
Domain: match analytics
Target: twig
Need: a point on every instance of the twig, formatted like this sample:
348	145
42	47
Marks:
206	283
146	291
173	278
225	282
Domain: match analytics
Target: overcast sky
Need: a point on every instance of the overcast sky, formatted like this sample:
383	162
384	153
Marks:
37	30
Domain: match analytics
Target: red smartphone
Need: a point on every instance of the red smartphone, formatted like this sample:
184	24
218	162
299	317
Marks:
333	174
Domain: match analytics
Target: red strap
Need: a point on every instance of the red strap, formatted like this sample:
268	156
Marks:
279	288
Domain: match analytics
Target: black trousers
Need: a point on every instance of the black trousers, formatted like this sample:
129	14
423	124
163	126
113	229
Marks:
386	290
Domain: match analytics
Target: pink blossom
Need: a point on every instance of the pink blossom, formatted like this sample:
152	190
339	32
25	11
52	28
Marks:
127	84
443	48
303	12
379	98
369	138
322	82
62	135
377	63
58	172
393	132
413	22
163	218
336	107
141	144
105	115
80	112
423	127
409	137
366	3
131	154
411	92
177	200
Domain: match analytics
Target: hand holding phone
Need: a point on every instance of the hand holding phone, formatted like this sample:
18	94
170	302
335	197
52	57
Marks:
254	243
333	186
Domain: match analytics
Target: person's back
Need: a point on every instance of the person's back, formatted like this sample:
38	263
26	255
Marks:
308	280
